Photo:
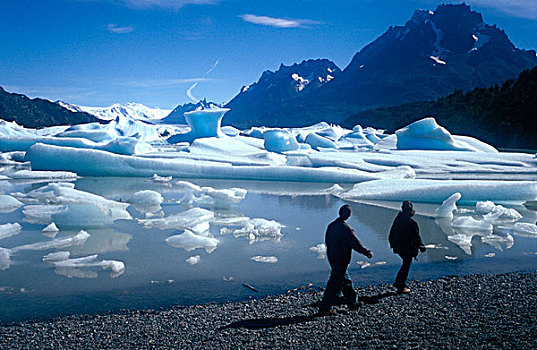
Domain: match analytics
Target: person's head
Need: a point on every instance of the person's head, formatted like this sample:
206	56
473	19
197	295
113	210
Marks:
345	212
408	208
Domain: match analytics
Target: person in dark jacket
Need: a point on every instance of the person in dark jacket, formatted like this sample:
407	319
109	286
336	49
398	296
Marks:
405	240
340	241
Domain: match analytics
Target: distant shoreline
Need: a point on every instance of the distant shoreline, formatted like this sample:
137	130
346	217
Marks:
473	311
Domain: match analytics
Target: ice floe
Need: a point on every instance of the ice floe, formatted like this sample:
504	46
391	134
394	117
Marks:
265	259
190	241
196	220
320	249
448	206
257	229
57	243
9	203
525	229
193	260
73	267
8	230
146	201
506	214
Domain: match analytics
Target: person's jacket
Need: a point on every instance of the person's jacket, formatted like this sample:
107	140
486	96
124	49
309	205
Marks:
340	241
404	236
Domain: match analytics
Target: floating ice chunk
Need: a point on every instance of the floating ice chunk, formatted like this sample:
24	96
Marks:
146	201
8	203
5	258
320	249
490	255
525	229
507	214
209	197
57	243
497	241
57	256
316	141
195	219
450	257
257	229
426	134
464	241
436	191
8	230
99	163
435	246
161	179
190	241
41	214
50	229
193	260
280	141
48	175
73	265
265	259
203	123
469	222
448	206
188	186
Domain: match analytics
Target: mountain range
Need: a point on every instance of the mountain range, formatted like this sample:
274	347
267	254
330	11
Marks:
433	54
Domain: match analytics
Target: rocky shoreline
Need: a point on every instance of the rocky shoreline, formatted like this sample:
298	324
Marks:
469	312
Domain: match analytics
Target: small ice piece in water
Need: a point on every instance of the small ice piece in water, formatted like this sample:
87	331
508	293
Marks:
450	257
57	243
448	206
146	201
379	263
5	258
209	197
279	141
51	229
8	203
57	256
490	255
257	229
525	229
195	219
435	246
228	278
320	249
365	265
161	179
507	214
193	260
8	230
496	241
464	241
190	241
265	259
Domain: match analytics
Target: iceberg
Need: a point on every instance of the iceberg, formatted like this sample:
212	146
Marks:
9	204
57	243
203	123
436	191
196	219
5	258
525	229
320	249
507	214
87	162
426	134
71	267
208	197
265	259
193	260
8	230
257	229
448	206
57	256
190	241
146	201
317	141
280	141
46	175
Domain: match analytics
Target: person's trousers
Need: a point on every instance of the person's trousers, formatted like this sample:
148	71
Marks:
339	281
400	280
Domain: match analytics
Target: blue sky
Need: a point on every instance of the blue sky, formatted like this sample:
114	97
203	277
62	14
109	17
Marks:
167	52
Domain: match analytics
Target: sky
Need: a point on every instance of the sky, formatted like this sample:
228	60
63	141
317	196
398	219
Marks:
163	53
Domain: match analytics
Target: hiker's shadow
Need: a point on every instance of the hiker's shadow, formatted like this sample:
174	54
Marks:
271	322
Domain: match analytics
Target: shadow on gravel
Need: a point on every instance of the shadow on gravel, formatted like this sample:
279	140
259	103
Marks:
270	322
369	299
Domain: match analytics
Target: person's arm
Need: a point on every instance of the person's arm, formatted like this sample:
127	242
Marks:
356	244
417	236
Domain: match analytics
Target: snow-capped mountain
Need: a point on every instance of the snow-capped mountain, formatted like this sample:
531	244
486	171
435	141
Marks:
274	88
177	116
135	111
433	54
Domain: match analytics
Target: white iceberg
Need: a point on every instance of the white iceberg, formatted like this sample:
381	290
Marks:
265	259
8	230
203	123
208	197
146	201
9	203
57	256
196	219
190	241
436	191
525	229
5	258
46	175
507	214
320	249
448	206
193	260
257	229
70	267
51	229
57	243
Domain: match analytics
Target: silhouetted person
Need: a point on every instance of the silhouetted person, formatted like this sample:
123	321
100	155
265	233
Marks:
405	240
340	241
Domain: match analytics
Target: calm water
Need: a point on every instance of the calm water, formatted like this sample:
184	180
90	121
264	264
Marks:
157	274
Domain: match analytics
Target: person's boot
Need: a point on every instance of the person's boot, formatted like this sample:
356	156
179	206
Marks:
403	290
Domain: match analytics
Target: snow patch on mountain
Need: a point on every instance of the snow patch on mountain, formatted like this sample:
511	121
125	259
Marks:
135	111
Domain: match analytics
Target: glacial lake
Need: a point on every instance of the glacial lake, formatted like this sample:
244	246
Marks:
157	275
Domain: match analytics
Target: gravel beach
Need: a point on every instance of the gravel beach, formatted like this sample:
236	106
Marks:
469	312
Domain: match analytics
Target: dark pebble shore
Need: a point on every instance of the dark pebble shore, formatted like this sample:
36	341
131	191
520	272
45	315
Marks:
470	312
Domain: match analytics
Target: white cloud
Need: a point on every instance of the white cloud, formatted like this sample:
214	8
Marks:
516	8
278	22
113	28
167	4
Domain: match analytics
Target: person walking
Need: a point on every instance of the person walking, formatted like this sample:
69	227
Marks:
405	240
340	241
